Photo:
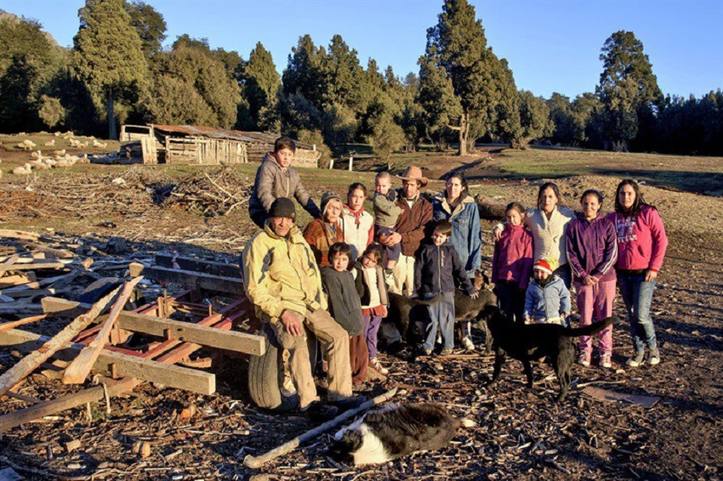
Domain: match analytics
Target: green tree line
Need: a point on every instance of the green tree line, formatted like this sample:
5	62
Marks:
118	72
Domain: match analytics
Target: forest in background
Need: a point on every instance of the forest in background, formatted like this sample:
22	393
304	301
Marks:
119	72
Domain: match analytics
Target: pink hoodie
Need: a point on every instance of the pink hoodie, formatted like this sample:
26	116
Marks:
512	259
641	240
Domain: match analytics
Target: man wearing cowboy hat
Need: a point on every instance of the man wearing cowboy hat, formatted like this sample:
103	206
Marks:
410	228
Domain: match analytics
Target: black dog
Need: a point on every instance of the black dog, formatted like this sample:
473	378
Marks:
403	310
535	341
394	431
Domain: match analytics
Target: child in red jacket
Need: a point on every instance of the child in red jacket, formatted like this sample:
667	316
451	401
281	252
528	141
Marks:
512	263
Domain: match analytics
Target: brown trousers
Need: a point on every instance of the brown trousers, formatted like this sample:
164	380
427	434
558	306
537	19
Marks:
359	356
335	343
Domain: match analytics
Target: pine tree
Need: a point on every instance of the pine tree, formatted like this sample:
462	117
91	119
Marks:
482	83
150	25
203	70
261	84
435	96
534	118
108	55
627	86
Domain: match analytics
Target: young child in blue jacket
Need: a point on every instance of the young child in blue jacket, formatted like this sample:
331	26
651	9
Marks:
435	270
547	300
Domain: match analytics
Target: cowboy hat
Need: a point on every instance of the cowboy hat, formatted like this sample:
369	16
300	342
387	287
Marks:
414	173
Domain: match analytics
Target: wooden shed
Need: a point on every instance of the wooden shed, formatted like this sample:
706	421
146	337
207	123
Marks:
190	144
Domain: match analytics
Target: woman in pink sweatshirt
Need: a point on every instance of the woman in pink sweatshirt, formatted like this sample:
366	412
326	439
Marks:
641	248
512	263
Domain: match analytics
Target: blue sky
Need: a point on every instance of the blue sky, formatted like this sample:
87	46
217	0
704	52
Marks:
550	45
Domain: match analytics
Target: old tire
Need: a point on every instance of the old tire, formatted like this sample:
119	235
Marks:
266	375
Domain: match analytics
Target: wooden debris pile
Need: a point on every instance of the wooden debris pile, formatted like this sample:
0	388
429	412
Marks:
34	266
210	195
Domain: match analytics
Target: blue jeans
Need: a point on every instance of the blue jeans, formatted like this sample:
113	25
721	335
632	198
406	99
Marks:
441	316
638	296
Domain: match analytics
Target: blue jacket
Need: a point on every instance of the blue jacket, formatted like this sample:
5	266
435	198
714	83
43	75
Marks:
466	233
549	301
435	270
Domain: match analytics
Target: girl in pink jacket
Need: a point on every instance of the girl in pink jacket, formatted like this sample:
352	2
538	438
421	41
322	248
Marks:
641	248
512	263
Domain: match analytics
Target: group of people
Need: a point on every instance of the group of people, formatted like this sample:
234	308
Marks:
334	278
588	251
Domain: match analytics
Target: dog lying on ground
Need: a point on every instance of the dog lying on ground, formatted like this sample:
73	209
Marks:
535	341
404	310
394	431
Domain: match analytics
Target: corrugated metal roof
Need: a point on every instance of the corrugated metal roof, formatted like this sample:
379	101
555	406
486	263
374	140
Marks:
242	136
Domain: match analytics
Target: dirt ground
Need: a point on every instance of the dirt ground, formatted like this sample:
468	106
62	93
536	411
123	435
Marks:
520	434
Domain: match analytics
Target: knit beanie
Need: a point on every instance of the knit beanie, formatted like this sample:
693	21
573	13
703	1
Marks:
283	207
327	197
544	265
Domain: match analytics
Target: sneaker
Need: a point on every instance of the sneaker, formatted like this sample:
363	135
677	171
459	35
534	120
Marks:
637	359
446	351
584	360
605	362
374	362
468	344
654	358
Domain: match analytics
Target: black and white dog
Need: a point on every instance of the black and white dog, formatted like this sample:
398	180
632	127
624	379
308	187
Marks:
394	431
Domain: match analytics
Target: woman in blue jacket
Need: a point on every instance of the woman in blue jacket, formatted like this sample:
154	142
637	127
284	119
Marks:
455	205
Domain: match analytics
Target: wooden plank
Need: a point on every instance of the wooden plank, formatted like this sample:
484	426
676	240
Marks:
81	365
19	234
28	364
11	291
60	306
31	266
20	322
196	280
191	332
120	364
171	261
180	330
45	408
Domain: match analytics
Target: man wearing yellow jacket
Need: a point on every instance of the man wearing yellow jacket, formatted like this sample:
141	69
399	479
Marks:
283	282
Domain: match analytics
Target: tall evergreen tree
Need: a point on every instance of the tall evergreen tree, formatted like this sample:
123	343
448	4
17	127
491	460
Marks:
150	25
534	118
261	83
108	55
29	60
483	83
436	99
627	87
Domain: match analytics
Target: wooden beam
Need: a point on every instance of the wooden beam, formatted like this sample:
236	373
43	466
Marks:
45	408
19	234
191	264
183	331
60	306
81	365
196	280
28	364
32	266
191	332
120	364
13	324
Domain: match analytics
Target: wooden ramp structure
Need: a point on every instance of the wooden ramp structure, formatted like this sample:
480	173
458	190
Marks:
172	329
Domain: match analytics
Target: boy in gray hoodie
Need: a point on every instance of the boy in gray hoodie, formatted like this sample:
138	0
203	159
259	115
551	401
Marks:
276	178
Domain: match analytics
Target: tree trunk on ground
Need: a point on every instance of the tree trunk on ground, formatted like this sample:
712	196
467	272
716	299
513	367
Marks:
111	115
